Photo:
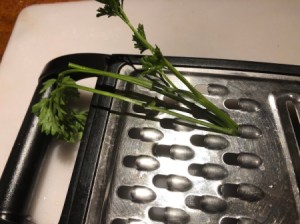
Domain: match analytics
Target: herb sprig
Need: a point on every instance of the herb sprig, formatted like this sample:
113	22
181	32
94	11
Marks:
58	118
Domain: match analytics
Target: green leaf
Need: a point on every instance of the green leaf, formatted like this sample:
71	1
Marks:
48	84
153	63
111	8
56	116
137	41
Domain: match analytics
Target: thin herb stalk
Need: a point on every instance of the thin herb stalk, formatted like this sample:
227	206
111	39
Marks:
169	92
154	108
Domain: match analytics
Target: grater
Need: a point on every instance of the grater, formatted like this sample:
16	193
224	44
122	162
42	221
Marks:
136	166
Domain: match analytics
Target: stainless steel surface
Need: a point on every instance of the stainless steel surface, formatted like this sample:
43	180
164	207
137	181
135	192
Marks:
162	172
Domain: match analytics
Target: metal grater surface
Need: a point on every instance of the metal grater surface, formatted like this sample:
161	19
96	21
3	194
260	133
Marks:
165	172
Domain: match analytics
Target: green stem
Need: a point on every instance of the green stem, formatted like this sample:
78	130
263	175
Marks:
201	99
137	81
106	93
124	17
165	77
155	108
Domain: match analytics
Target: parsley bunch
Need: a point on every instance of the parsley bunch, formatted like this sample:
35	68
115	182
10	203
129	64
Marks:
58	118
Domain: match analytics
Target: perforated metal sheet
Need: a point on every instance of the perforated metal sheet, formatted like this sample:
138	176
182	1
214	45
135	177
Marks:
163	172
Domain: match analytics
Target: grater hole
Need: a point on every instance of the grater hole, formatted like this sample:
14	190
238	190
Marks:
295	119
231	159
176	125
129	161
170	101
157	214
246	192
214	142
206	203
168	215
245	160
142	163
161	150
137	194
217	90
119	221
232	104
247	105
229	190
198	140
208	171
230	220
172	182
293	109
181	152
177	152
249	132
127	221
145	134
134	133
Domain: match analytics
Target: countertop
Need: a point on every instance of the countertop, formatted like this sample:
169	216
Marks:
9	11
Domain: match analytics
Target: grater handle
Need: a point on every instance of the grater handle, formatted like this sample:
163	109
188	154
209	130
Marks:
22	167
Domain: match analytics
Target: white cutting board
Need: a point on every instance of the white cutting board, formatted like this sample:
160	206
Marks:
266	31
